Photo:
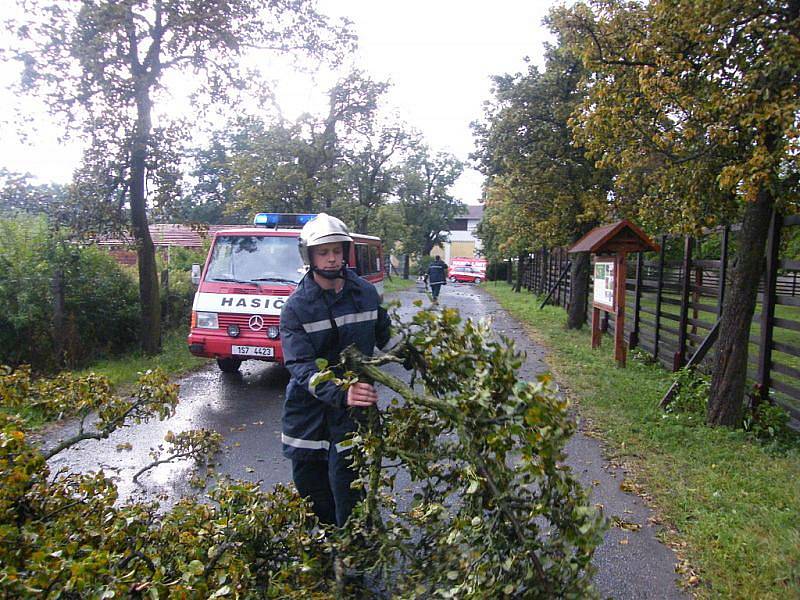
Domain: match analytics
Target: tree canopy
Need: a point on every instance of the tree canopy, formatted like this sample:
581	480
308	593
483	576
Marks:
102	66
542	189
695	106
425	199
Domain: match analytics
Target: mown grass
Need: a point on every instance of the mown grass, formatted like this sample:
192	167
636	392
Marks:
733	507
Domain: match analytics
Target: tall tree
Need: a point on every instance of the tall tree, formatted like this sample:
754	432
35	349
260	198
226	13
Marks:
425	199
211	197
102	65
506	227
310	165
696	105
371	173
526	149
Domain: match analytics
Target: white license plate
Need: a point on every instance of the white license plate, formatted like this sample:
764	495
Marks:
267	352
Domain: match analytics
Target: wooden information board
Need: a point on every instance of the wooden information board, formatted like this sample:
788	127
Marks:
611	244
604	284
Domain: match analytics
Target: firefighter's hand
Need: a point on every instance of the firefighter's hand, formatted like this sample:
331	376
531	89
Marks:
361	395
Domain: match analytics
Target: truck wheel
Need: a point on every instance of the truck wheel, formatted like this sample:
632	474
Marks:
229	365
477	280
452	280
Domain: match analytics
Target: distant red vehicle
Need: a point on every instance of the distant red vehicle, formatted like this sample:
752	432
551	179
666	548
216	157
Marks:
467	270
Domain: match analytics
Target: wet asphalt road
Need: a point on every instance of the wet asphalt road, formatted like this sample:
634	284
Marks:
245	408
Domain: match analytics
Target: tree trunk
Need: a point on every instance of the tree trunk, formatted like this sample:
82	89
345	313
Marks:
730	365
149	302
579	284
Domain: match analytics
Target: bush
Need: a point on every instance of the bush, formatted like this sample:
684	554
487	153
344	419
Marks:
176	305
764	422
421	265
692	394
100	300
769	424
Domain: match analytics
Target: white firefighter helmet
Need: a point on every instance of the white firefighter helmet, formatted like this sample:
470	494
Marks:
323	229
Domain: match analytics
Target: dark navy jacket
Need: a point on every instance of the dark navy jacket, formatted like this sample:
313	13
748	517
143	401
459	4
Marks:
437	272
314	418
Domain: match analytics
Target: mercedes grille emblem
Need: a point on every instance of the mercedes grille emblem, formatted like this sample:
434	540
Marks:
256	322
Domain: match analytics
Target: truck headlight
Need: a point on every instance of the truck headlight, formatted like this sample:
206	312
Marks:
207	320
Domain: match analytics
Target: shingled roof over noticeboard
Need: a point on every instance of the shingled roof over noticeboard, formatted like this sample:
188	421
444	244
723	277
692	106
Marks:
614	237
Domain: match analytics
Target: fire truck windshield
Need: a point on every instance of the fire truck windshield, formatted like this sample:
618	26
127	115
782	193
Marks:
255	259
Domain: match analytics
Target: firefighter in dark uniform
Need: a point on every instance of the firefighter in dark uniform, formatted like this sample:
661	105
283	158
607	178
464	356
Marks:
436	276
331	309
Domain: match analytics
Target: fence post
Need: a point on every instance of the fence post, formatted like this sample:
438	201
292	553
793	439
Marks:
697	295
768	306
532	278
562	261
57	288
633	339
539	272
723	268
619	316
659	290
165	305
543	278
680	356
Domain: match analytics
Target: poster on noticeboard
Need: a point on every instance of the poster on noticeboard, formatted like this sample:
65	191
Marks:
603	296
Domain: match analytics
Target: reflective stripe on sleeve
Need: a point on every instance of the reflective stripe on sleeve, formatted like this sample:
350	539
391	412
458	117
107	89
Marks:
315	326
305	444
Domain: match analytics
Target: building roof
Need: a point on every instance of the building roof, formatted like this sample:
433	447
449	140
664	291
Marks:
475	212
169	234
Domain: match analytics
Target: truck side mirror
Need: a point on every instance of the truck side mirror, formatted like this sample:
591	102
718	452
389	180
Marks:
195	274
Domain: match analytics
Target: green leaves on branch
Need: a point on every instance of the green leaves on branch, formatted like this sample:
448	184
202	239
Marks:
494	511
196	444
64	534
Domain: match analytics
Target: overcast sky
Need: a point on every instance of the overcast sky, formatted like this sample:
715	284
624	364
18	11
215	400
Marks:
437	54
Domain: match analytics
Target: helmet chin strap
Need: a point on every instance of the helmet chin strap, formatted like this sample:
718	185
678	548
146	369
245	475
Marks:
329	274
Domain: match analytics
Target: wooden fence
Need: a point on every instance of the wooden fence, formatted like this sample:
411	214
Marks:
674	298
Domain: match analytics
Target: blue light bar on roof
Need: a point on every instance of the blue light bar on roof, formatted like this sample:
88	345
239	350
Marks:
282	219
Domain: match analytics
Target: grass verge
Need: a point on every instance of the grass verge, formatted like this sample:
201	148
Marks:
732	506
174	359
395	284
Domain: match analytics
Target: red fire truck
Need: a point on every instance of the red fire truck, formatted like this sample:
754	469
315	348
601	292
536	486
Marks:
248	275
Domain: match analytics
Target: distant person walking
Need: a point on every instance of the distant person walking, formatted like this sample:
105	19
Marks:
436	276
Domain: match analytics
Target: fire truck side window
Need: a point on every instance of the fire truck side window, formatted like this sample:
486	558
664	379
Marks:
374	260
362	259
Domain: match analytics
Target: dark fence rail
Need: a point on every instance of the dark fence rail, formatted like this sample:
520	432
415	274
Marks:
675	298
